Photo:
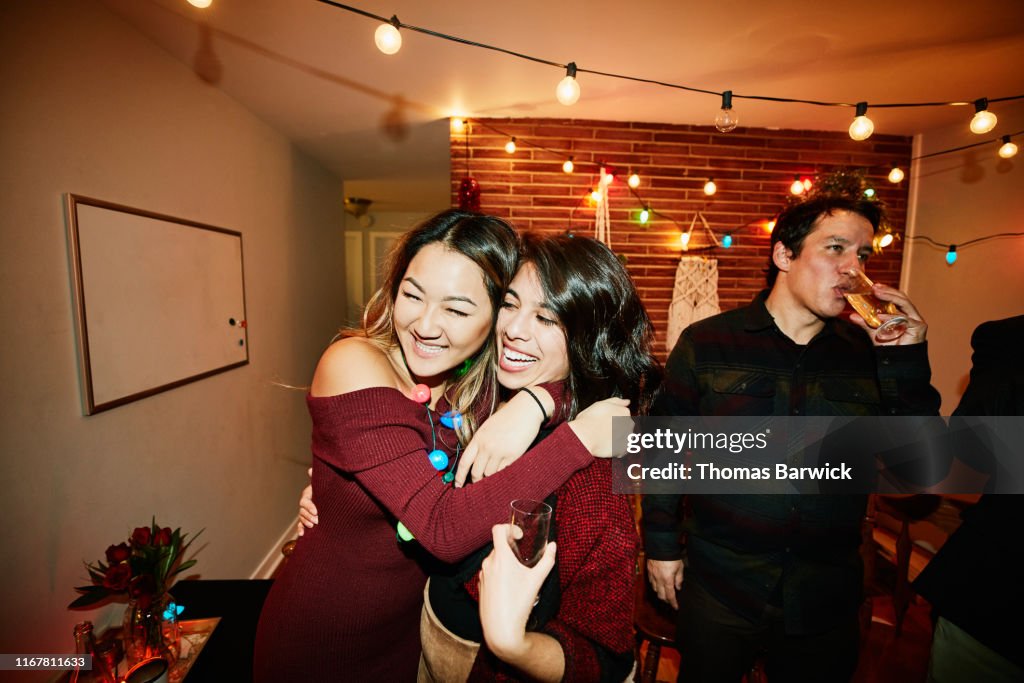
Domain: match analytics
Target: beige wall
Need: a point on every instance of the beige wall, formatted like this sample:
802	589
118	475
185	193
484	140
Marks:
90	106
957	197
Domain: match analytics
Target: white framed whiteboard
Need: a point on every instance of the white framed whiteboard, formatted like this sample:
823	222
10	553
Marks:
159	301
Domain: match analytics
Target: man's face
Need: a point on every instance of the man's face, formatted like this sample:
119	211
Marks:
815	280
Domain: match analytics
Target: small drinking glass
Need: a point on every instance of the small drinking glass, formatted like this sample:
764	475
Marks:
870	307
533	519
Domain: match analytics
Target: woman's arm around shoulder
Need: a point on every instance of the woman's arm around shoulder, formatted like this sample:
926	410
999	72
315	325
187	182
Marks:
351	364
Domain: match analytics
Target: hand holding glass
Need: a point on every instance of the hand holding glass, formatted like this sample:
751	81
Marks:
864	301
530	521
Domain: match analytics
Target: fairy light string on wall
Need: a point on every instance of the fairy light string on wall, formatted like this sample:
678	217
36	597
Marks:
568	88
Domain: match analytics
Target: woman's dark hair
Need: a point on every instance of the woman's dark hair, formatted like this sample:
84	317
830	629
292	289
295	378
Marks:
796	223
490	243
608	334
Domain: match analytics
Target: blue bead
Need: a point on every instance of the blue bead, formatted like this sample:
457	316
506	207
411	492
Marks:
438	458
452	419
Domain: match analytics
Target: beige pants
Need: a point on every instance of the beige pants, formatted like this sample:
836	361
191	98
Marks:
446	658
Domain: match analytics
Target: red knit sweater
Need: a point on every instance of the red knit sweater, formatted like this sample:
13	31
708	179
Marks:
347	603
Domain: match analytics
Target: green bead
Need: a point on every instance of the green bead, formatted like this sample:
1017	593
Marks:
403	533
448	477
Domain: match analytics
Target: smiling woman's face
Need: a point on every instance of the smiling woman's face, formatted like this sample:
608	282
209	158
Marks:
531	341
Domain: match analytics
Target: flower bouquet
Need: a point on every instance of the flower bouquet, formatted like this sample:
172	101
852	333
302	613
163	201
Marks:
142	569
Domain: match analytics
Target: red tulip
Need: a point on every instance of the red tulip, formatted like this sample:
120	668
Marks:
118	553
117	577
141	536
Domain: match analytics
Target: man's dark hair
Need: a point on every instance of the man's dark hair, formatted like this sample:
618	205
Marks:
796	222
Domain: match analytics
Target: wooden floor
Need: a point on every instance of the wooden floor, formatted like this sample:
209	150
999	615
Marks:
884	657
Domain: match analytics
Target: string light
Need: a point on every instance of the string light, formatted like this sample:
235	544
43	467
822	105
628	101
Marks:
568	166
645	215
634	181
896	174
595	195
458	125
387	37
862	127
710	188
568	90
607	176
684	239
797	188
727	240
869	193
951	254
726	119
510	146
984	120
807	184
201	4
769	226
1009	149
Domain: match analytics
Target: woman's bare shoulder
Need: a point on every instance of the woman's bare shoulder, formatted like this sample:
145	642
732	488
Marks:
351	364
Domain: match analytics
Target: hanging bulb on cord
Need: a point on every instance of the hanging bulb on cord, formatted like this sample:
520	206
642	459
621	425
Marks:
201	4
726	119
797	188
984	120
634	180
710	188
727	240
896	174
387	37
568	90
510	146
1009	149
645	215
951	254
862	127
568	166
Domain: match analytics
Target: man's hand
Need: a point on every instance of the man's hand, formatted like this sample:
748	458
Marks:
917	328
666	577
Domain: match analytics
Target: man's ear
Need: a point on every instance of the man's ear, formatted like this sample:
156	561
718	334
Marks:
782	257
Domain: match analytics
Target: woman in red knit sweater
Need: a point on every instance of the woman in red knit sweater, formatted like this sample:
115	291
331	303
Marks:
346	605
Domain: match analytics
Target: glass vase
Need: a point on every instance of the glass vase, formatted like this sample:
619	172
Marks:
151	629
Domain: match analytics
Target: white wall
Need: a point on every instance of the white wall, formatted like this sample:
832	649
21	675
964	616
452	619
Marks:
90	106
958	197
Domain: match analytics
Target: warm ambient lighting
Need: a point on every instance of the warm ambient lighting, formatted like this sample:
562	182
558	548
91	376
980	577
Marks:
595	195
797	188
634	181
726	119
201	4
896	174
710	188
984	120
568	90
769	226
862	127
387	37
510	146
568	166
1009	149
885	240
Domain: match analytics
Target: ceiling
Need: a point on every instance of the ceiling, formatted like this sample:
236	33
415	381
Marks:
312	71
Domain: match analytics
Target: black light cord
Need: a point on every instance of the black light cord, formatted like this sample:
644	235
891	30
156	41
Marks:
787	100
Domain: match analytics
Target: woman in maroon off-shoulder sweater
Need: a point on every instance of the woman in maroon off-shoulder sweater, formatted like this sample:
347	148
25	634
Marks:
346	605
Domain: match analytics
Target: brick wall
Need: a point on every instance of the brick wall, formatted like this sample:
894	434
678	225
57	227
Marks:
752	167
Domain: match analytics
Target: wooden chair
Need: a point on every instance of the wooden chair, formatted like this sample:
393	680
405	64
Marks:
655	624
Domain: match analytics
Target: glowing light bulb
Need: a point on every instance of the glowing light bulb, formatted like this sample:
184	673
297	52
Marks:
607	178
807	184
726	119
862	127
1009	149
458	125
201	4
896	174
645	215
595	195
885	240
951	254
710	188
727	240
568	90
770	225
568	166
387	37
634	181
510	146
684	239
797	187
869	193
984	120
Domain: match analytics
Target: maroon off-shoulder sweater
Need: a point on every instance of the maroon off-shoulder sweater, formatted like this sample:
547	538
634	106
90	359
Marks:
347	603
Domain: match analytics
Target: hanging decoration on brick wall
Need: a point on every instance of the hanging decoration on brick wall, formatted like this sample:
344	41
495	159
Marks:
694	296
469	188
602	221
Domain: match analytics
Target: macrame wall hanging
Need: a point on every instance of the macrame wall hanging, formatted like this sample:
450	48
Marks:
602	223
695	293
